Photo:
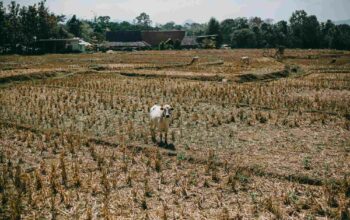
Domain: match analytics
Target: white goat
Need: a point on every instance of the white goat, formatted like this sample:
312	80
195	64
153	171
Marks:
160	120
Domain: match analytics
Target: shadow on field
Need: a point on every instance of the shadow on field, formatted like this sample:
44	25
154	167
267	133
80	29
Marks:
32	76
287	72
166	146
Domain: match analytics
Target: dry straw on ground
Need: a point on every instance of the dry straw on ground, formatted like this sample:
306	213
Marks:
76	144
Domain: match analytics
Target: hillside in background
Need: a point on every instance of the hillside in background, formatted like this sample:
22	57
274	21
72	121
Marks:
342	22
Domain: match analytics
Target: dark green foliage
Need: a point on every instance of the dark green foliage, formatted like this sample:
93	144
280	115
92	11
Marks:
244	38
170	26
75	26
340	37
21	26
177	44
305	30
2	24
227	27
162	46
214	28
195	29
143	20
169	45
281	33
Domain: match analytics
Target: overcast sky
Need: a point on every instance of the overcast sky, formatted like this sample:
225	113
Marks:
162	11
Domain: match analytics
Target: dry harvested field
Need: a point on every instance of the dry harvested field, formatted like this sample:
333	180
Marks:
266	141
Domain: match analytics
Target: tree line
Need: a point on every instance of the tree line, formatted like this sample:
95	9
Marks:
302	31
20	26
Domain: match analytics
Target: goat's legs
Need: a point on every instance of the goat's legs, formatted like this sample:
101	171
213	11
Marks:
161	137
153	134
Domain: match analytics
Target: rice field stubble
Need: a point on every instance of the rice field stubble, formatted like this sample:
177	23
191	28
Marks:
266	141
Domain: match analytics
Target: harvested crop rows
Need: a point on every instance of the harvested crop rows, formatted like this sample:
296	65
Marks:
75	140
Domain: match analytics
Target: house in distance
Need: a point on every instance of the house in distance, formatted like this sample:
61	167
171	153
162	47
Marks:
124	40
139	40
62	45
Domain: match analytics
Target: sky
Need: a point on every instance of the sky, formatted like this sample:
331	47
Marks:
179	11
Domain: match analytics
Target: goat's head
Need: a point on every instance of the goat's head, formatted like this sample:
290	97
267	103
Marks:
167	110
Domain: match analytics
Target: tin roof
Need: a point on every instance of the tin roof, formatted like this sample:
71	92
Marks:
155	37
58	40
126	44
123	36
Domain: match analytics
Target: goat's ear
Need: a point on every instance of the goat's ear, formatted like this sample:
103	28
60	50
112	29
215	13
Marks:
171	108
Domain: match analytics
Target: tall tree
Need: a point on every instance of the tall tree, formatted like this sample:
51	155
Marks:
281	32
102	24
311	32
195	29
267	35
14	34
305	29
63	33
48	22
341	37
143	20
3	25
260	42
297	22
227	28
244	38
255	21
241	23
171	26
214	28
168	26
99	26
74	26
326	33
87	32
29	21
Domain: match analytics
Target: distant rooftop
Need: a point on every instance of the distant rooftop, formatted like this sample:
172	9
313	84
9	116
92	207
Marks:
123	36
155	37
126	44
58	39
